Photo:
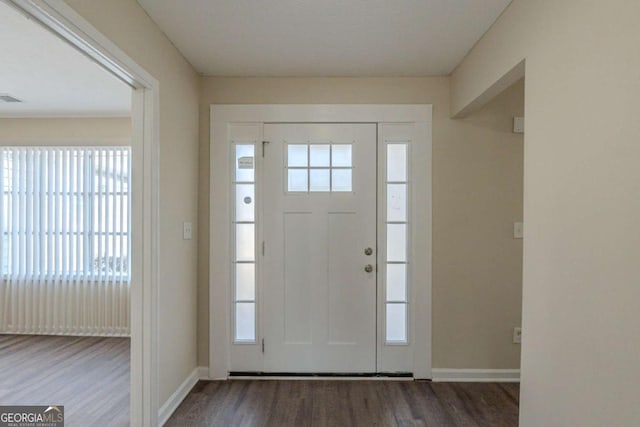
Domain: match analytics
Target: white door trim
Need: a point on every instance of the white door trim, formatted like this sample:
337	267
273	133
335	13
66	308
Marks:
219	219
321	113
66	23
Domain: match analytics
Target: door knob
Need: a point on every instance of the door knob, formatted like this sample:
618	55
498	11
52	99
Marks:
368	251
368	268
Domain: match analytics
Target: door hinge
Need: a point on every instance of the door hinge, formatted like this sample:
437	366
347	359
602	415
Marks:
263	144
263	345
263	246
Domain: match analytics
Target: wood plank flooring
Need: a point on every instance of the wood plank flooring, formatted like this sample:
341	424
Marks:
348	403
88	375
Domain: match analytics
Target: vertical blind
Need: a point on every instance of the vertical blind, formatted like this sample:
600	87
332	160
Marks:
65	246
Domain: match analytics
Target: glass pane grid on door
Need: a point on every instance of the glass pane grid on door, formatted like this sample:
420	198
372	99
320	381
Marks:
397	222
244	272
319	168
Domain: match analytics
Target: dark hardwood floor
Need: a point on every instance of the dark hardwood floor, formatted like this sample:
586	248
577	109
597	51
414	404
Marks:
88	375
348	403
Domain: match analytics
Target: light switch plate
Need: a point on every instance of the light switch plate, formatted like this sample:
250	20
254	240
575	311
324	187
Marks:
517	335
186	231
518	125
518	230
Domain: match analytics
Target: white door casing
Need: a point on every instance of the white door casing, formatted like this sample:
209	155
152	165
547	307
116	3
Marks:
249	124
319	303
62	20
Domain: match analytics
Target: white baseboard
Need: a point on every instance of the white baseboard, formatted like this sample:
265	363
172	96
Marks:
312	378
172	403
203	372
476	375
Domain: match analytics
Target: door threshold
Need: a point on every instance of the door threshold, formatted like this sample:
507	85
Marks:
319	376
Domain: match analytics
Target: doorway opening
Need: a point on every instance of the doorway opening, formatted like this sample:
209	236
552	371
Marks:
63	23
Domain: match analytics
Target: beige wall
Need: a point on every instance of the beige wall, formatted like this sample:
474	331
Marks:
65	131
477	196
580	361
126	24
477	264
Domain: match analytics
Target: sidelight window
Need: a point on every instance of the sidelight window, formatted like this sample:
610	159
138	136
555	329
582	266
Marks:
397	222
244	243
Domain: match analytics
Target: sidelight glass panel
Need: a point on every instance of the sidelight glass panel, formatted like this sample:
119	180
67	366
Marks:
245	282
397	202
245	321
319	155
319	180
244	229
245	202
396	242
396	282
396	317
244	163
397	162
397	218
245	242
297	155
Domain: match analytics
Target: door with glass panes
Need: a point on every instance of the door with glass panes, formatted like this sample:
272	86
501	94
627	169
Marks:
313	273
319	229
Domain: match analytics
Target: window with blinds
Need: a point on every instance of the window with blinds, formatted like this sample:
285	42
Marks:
66	213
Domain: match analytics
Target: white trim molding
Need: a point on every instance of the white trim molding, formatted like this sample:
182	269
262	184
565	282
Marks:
172	403
203	373
476	375
312	378
62	20
321	113
396	122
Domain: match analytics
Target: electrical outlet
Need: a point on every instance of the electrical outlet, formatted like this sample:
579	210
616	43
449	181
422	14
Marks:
517	335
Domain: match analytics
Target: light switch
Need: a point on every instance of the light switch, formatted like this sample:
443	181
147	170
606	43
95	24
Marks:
518	230
518	125
517	335
186	231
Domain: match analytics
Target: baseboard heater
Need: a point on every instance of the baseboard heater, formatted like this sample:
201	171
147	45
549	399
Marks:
323	374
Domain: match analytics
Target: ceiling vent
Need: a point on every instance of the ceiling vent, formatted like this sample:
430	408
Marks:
8	98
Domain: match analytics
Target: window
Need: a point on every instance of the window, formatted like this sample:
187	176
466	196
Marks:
65	213
319	168
396	299
245	246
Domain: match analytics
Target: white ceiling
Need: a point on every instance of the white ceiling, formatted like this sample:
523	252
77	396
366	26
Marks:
52	78
324	37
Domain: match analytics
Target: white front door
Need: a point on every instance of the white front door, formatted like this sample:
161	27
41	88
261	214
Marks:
319	228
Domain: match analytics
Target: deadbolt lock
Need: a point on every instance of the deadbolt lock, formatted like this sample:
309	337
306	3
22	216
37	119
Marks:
368	268
368	251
